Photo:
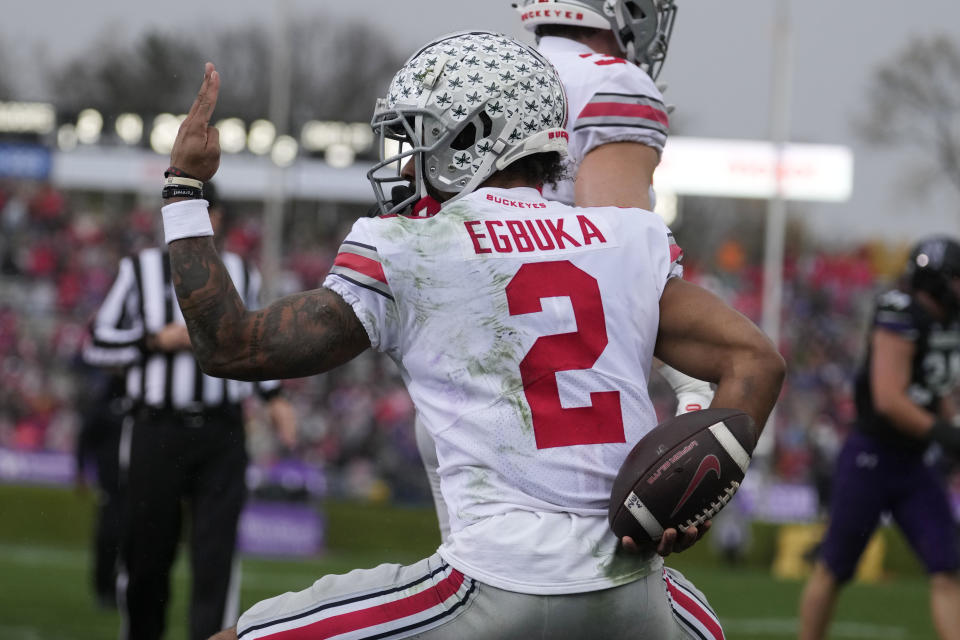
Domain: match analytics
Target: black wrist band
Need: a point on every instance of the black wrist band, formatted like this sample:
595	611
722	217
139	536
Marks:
173	171
181	191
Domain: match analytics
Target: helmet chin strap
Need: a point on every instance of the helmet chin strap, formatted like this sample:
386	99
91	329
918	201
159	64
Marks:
420	180
623	32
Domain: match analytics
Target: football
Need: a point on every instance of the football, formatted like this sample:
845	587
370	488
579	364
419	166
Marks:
681	473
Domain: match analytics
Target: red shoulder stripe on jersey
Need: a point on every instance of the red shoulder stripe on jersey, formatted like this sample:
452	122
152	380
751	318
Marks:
675	253
607	109
361	264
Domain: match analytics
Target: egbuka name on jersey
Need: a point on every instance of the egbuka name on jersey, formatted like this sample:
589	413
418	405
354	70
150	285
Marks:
561	233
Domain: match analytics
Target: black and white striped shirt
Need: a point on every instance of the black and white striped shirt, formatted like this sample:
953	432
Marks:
141	302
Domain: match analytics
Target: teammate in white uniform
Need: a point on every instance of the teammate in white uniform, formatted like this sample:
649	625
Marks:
607	54
524	330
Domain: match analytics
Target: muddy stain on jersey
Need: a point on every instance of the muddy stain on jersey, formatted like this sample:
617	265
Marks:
479	490
621	566
477	292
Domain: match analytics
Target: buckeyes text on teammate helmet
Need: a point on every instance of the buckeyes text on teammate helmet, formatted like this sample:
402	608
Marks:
642	27
934	267
464	107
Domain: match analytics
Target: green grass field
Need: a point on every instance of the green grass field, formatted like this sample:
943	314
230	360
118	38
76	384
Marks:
44	574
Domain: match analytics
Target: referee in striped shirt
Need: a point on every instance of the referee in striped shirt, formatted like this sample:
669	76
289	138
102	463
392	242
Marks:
183	448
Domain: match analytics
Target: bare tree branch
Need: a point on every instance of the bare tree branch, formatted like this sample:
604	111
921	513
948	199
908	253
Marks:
915	101
338	71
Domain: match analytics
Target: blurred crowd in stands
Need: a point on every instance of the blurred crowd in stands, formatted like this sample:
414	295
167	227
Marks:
59	253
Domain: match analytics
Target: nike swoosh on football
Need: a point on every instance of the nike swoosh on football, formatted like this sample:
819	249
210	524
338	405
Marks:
708	464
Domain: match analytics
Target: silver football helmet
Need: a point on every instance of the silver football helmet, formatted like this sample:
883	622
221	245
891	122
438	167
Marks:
642	27
464	107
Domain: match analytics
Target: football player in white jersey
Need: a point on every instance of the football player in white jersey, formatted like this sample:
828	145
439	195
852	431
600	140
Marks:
607	54
524	329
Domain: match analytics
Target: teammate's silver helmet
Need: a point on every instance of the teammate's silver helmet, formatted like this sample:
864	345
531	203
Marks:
463	107
642	27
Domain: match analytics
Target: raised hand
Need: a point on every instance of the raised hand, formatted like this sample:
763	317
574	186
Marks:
196	151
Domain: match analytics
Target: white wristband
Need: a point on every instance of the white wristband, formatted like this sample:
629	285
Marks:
186	219
687	402
682	383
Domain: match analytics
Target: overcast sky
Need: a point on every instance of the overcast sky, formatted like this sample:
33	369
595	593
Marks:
719	72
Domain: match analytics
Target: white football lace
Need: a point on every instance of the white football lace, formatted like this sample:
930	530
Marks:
714	507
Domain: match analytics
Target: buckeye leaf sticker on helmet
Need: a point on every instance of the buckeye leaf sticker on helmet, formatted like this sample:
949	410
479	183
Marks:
463	107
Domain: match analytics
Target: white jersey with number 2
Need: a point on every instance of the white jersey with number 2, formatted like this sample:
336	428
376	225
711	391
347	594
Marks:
524	330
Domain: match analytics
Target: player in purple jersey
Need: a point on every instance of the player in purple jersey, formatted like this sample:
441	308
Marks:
903	404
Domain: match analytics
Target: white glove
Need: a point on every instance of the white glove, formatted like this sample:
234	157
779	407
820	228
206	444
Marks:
692	394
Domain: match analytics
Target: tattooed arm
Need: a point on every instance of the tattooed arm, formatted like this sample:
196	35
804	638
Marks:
296	336
705	338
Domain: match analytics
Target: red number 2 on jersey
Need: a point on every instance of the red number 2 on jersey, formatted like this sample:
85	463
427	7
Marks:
553	425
